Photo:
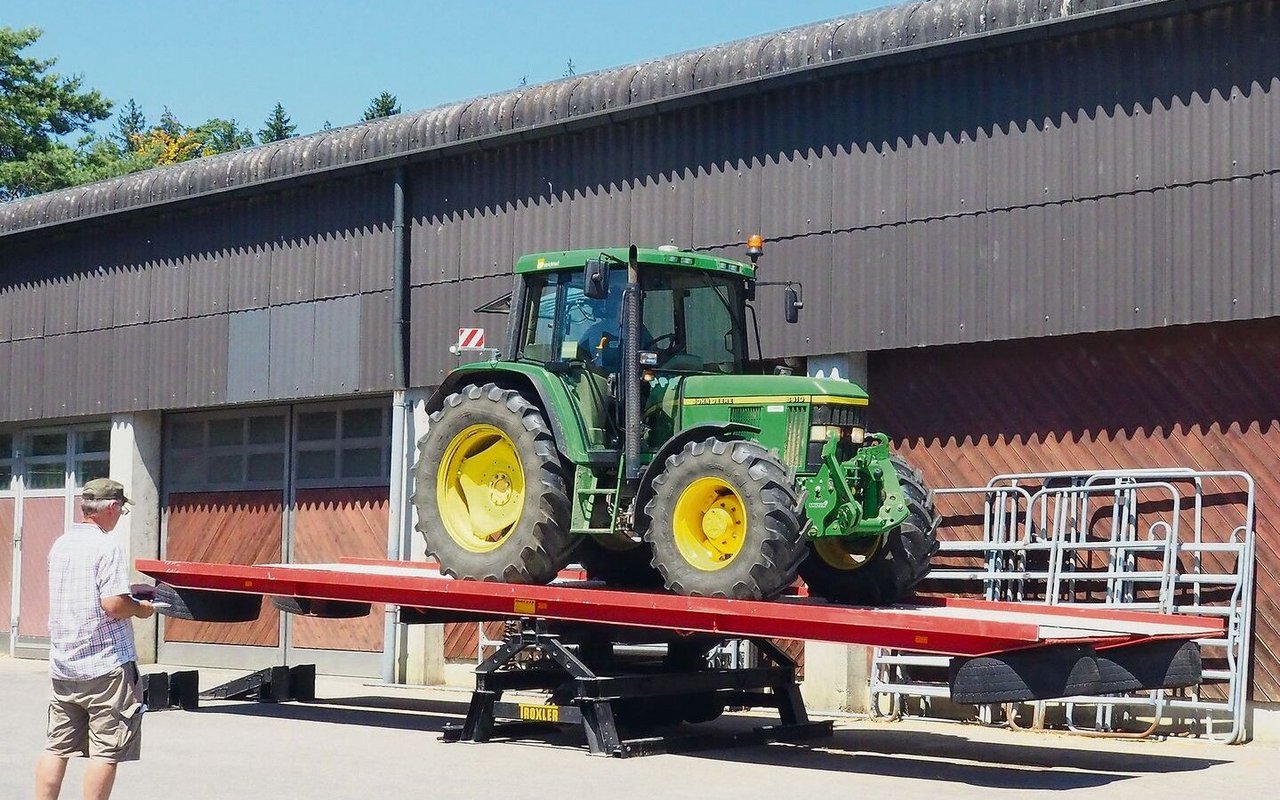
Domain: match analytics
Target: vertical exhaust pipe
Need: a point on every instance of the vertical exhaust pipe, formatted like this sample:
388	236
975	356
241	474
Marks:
631	366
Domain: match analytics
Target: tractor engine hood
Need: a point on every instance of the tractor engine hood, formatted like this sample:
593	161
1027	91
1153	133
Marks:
761	389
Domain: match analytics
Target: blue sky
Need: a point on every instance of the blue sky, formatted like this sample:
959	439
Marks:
325	59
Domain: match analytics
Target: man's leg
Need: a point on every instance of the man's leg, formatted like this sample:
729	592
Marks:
49	772
99	777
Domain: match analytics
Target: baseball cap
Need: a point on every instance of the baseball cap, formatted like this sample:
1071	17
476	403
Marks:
104	489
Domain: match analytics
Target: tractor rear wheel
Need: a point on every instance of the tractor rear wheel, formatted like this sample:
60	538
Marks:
879	570
490	489
725	520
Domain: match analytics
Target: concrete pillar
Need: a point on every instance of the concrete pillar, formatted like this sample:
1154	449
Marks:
837	677
420	648
135	462
850	366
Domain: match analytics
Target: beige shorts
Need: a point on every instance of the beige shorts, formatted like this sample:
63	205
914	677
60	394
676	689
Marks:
99	718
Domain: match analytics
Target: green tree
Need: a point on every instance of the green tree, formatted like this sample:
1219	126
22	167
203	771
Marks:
384	105
37	109
277	127
221	136
130	122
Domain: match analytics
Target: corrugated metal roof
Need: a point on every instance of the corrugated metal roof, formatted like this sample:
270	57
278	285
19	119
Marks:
597	98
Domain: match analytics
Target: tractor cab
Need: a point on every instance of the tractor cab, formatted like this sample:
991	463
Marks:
692	310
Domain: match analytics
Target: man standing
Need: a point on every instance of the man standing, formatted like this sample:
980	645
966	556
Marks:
96	707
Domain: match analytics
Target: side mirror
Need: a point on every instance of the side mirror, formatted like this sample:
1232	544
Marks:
595	280
750	292
793	304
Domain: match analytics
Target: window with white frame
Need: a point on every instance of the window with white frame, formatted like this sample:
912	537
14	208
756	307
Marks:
91	457
343	446
227	451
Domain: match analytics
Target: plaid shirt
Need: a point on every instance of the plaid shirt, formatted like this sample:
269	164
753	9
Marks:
86	565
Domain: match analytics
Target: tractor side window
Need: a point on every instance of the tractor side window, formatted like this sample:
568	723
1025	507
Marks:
541	326
594	327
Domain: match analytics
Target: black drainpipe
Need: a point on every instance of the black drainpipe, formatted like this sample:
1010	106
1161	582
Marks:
399	284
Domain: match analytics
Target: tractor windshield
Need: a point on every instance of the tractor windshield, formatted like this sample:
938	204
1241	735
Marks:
692	320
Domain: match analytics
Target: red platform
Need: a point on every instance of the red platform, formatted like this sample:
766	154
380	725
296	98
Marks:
946	627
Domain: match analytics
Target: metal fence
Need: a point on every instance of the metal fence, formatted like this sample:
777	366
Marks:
1172	540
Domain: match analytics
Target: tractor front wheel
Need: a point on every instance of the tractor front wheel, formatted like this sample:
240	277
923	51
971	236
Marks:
725	521
490	489
878	570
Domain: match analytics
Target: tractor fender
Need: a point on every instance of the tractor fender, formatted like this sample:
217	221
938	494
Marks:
724	430
552	398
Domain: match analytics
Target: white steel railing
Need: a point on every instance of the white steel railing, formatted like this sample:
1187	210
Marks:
1138	539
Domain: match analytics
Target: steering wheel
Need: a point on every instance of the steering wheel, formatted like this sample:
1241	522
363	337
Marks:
669	349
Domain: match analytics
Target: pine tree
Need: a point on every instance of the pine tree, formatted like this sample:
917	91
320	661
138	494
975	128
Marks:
384	105
170	124
130	123
277	126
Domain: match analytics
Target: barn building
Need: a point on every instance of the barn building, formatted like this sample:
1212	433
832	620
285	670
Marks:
1045	235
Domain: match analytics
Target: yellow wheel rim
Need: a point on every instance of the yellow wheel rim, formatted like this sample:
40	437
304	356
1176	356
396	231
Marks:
480	488
847	554
710	524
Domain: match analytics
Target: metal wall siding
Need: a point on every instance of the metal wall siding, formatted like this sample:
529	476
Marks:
433	320
662	208
248	359
796	170
726	185
600	198
131	289
26	376
292	357
869	166
95	304
376	247
808	260
208	280
50	394
542	178
248	269
292	264
336	347
169	287
60	295
338	263
487	226
7	376
435	240
134	348
208	342
376	370
169	346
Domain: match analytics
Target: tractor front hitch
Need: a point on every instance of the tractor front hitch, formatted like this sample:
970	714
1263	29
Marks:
859	497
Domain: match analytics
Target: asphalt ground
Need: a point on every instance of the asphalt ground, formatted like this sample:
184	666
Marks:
365	741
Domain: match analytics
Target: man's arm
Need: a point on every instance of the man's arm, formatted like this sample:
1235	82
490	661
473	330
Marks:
122	606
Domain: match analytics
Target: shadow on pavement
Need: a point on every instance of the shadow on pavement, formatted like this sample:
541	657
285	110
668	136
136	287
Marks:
402	713
944	757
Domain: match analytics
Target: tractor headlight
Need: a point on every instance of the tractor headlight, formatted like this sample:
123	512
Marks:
857	434
820	433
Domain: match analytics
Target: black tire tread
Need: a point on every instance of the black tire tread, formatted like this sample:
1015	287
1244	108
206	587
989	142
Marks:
546	545
771	570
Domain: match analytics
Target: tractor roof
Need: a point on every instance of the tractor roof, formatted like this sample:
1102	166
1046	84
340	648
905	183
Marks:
577	259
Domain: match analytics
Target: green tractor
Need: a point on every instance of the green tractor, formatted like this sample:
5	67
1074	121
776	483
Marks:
625	427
